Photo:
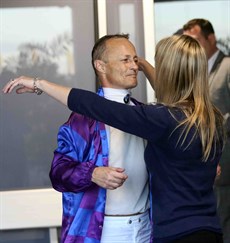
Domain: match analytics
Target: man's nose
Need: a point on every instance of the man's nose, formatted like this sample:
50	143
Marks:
134	65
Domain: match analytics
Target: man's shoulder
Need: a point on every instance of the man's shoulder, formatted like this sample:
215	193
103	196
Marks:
225	65
226	61
79	121
221	66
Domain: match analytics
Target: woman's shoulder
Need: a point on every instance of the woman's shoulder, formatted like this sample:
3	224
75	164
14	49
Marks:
163	115
162	109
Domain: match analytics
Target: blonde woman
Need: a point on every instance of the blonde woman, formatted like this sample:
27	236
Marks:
184	133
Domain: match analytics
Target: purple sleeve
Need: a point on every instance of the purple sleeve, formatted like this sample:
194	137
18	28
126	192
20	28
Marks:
72	164
69	175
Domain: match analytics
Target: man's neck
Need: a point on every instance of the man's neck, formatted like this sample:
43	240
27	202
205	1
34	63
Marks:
115	94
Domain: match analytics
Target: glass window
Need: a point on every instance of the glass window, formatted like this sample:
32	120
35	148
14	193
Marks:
44	39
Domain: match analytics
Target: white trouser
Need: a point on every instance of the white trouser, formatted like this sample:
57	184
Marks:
126	229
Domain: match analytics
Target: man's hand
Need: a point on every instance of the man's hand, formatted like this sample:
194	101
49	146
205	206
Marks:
109	177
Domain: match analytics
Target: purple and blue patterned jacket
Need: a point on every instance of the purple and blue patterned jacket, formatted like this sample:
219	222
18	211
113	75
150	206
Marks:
82	146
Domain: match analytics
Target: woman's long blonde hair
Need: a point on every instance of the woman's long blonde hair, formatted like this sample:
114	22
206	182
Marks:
182	81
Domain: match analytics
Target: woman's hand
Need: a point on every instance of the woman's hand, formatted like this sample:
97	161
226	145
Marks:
34	85
22	84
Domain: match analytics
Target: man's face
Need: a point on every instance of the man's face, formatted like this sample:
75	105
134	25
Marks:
120	60
206	43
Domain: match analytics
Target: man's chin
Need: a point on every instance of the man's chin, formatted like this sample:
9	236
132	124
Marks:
131	81
131	86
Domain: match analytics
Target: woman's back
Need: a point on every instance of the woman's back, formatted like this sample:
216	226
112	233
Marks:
181	182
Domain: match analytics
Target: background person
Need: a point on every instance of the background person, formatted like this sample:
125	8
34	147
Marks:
184	133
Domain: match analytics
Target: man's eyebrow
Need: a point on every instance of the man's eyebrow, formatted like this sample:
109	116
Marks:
129	56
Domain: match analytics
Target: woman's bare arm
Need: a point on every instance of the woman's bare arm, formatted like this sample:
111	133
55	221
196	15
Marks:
148	70
32	85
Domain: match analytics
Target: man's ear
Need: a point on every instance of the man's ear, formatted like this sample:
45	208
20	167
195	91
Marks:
99	66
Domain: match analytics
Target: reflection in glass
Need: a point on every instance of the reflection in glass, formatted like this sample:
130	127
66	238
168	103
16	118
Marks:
39	42
35	41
